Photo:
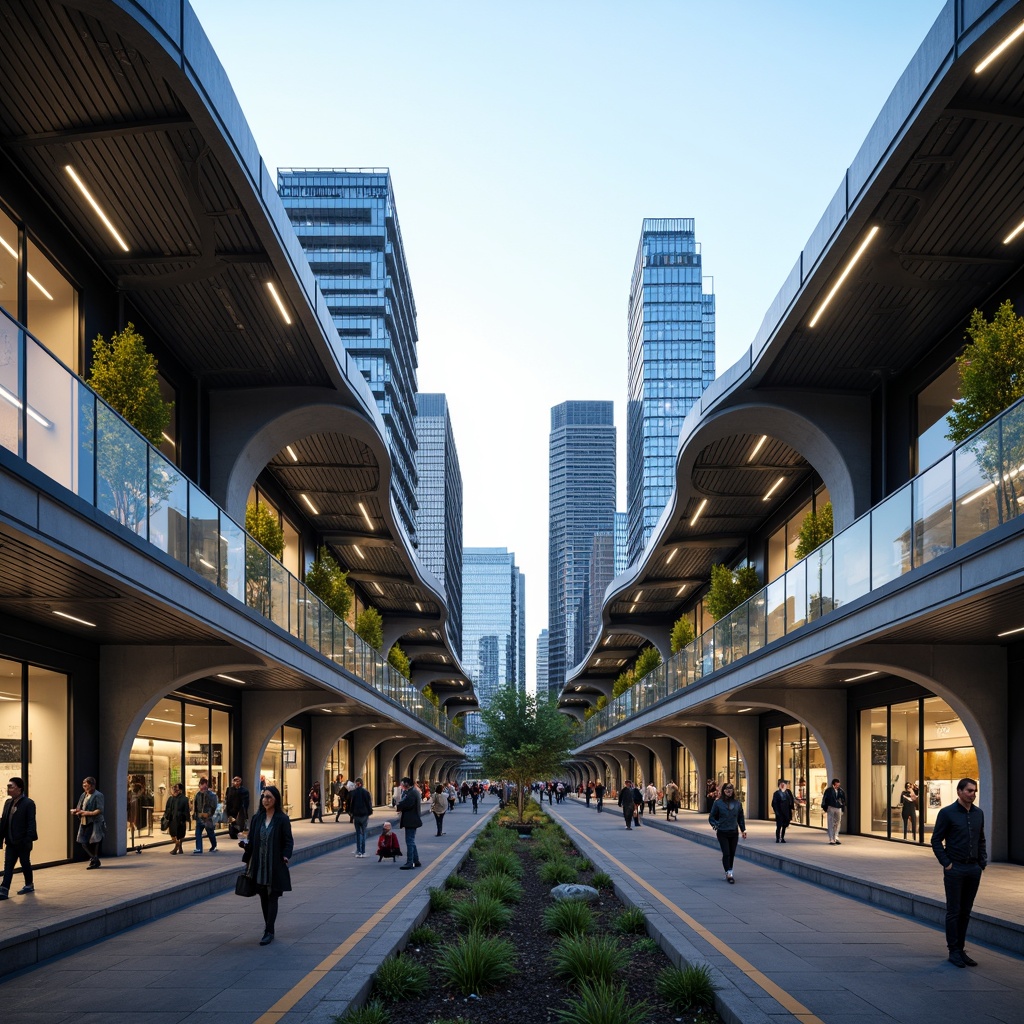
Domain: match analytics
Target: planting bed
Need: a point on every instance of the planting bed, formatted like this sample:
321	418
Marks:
533	993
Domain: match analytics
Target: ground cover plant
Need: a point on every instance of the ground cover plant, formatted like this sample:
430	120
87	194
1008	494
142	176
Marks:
550	961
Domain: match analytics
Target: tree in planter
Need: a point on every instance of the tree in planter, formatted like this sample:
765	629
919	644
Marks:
647	661
525	740
682	634
370	627
729	589
992	379
623	681
427	692
264	527
399	660
125	376
329	582
814	530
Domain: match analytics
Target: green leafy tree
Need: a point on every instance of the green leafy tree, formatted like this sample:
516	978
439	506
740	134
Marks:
991	371
729	589
428	691
263	526
399	660
814	530
647	661
329	582
623	681
682	634
525	740
124	374
370	627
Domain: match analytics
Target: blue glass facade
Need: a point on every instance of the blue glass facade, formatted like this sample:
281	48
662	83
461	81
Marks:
542	665
621	542
581	503
347	224
671	362
439	516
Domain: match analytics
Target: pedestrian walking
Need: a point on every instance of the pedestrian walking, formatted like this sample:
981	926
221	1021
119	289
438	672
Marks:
474	795
651	796
671	801
908	809
599	794
711	793
627	797
268	849
958	840
360	807
783	807
339	797
450	792
727	820
410	820
588	795
833	803
316	804
438	806
17	834
91	823
204	806
236	807
176	814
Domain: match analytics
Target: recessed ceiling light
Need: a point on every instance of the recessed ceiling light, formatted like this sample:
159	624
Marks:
280	305
312	507
757	448
75	618
697	514
865	675
359	551
291	451
741	710
774	487
369	521
96	206
230	679
679	592
843	276
672	555
380	590
992	54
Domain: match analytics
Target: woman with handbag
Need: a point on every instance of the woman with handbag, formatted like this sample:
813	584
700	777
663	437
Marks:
267	852
177	817
91	825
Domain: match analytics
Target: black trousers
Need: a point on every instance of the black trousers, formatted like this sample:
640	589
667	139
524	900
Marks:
781	824
438	818
268	901
961	883
14	852
728	842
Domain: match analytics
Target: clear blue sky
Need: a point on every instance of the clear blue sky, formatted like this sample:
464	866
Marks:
527	141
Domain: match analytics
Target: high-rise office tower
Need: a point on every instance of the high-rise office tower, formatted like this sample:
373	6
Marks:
621	542
671	362
347	224
581	502
602	571
439	493
542	666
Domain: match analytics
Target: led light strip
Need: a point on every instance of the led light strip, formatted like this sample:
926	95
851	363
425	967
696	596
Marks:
96	206
843	276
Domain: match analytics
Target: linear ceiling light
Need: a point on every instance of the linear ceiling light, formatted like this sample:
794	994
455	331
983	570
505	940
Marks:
1014	233
7	246
310	505
757	448
74	618
842	277
96	207
170	721
671	556
632	607
291	451
419	607
380	590
230	679
700	508
359	551
280	305
992	54
679	592
366	516
1010	632
639	594
774	487
865	675
170	440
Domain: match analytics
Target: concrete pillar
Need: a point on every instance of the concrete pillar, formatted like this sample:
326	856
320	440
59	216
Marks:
743	731
695	740
662	750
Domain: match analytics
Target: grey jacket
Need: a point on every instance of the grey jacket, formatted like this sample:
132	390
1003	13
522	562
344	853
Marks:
727	816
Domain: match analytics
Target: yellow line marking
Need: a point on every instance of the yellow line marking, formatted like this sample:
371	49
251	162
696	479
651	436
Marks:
322	969
796	1008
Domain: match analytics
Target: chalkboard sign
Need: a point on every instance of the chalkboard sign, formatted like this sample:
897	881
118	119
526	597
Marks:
879	749
10	751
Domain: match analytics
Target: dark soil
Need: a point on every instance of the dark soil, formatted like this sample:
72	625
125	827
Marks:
532	995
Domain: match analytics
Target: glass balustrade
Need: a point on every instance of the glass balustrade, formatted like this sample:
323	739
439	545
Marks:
57	424
974	489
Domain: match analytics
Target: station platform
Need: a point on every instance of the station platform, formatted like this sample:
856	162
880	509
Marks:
808	931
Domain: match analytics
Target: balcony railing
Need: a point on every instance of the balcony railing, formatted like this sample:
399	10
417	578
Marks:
975	488
56	423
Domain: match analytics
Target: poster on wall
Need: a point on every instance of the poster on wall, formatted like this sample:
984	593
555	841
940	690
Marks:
934	795
10	752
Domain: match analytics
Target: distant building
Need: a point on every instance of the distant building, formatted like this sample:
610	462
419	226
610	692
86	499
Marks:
581	502
439	494
542	665
347	224
671	362
621	542
601	573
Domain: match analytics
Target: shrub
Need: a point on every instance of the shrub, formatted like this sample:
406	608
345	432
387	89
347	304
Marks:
645	945
647	661
370	627
583	864
329	582
568	917
372	1013
440	900
485	914
814	530
476	963
729	589
499	887
682	634
687	988
555	872
400	977
263	526
602	880
602	1003
423	935
588	958
631	921
455	882
496	862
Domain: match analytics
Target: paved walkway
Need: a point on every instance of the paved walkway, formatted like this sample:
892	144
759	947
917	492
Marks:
782	947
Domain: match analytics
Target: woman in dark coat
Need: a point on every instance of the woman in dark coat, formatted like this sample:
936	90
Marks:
316	804
267	852
178	817
91	824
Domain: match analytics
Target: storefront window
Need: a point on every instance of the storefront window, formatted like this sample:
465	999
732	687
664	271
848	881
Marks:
283	767
692	794
729	767
794	754
949	756
52	308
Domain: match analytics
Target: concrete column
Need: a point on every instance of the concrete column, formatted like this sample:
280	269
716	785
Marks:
695	740
662	750
743	731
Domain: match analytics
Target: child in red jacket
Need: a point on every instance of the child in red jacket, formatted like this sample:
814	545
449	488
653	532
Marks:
387	844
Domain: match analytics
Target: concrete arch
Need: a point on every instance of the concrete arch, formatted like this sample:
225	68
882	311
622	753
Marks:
660	747
132	681
974	683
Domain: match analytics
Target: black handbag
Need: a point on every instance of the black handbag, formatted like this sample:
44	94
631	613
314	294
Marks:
245	884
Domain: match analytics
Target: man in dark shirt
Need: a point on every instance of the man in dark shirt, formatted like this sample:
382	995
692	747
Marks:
599	793
961	827
17	834
236	807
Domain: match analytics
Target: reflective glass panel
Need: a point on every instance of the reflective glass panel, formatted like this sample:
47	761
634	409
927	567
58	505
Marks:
933	512
796	597
203	535
11	338
890	538
121	471
168	508
52	308
52	424
851	562
48	766
232	557
979	496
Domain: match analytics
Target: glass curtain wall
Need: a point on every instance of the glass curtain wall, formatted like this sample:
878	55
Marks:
729	767
912	754
794	754
688	779
283	766
34	739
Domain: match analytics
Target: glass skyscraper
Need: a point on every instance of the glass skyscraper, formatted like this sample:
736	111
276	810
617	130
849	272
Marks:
347	224
541	681
439	492
581	503
621	543
671	362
